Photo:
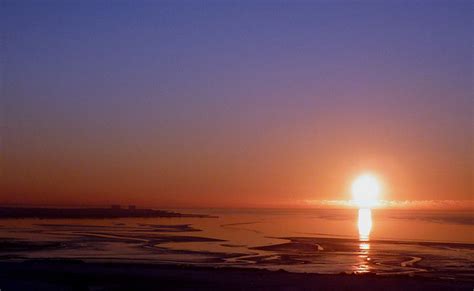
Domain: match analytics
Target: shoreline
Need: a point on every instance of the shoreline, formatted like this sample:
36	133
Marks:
115	211
79	275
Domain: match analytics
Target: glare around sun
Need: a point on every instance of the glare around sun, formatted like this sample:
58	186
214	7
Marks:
365	191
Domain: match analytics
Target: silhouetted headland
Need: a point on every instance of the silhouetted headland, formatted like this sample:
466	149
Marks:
113	212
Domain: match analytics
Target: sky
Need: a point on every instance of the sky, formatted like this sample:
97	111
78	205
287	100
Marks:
234	103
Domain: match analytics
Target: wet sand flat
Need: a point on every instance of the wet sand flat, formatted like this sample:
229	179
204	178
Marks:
77	275
296	242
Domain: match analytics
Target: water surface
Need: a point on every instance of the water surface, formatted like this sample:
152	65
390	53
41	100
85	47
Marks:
424	243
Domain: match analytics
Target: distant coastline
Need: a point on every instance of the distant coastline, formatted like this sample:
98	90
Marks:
115	211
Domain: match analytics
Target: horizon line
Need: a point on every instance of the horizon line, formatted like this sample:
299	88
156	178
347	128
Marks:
301	204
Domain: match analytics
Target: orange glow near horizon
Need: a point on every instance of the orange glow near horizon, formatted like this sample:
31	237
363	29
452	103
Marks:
233	113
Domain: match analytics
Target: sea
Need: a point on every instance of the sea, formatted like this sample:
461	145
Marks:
387	242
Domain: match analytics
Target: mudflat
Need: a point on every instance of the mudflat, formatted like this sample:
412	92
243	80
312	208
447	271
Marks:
79	275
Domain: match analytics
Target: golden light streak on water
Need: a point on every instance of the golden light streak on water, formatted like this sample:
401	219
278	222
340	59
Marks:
364	223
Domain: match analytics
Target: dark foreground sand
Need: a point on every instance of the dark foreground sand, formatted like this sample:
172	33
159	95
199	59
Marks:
77	275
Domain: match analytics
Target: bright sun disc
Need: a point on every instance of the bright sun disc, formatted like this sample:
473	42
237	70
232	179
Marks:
365	190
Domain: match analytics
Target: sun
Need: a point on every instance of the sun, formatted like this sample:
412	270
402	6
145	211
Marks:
365	191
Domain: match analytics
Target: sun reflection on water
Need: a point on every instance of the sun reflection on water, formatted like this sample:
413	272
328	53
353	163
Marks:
364	224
